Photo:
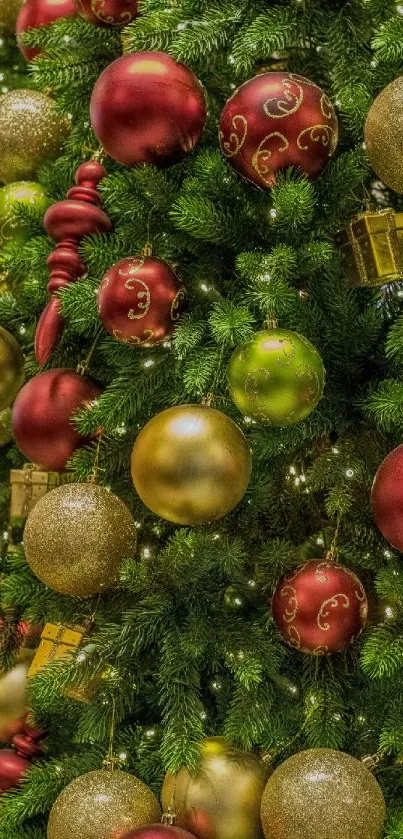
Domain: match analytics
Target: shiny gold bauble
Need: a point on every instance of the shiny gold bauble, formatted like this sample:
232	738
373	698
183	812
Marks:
6	431
13	695
76	537
31	132
222	800
11	368
104	804
383	135
276	377
8	16
191	464
322	794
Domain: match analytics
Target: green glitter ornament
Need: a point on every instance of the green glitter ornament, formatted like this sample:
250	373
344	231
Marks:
276	377
28	193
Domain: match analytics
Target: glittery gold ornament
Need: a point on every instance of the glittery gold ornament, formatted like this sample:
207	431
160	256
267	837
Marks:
191	464
11	368
277	377
31	132
104	804
76	537
222	801
322	794
6	431
8	16
383	135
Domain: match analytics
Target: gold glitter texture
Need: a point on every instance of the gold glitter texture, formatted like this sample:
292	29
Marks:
191	464
104	804
383	134
322	794
222	800
277	377
8	16
31	132
76	537
11	368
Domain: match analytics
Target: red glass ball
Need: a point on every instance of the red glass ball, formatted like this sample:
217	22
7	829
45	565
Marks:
320	607
42	413
387	498
158	831
108	12
36	13
139	300
277	120
147	108
12	768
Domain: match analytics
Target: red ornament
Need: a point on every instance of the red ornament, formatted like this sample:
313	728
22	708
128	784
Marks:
36	13
147	108
277	120
67	222
42	413
107	12
320	607
15	762
139	300
158	831
387	498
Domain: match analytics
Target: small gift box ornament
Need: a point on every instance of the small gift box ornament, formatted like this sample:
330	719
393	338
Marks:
57	641
28	485
371	249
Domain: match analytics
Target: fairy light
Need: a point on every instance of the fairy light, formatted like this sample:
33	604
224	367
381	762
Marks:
149	362
273	213
389	613
252	583
335	450
387	553
150	733
266	277
399	9
320	541
349	473
292	470
138	524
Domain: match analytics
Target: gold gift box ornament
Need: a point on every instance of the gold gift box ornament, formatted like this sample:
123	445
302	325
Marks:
28	485
372	248
57	641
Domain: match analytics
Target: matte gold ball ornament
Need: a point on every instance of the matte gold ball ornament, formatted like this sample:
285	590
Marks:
31	132
11	368
322	794
191	464
6	431
277	377
383	134
104	804
76	537
222	800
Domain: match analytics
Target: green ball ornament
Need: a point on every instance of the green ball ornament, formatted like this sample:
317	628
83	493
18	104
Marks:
277	377
22	192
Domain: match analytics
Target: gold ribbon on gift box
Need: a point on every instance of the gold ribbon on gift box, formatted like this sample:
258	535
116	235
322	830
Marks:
372	248
28	485
57	641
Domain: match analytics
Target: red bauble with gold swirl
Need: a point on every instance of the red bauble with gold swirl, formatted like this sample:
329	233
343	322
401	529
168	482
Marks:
107	12
140	299
147	108
320	608
277	120
36	13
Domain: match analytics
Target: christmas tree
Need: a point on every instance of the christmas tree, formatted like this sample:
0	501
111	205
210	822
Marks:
204	275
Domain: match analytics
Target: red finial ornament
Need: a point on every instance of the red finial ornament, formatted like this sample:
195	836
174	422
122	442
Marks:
15	762
67	222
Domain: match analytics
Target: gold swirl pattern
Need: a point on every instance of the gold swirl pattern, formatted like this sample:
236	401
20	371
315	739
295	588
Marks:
319	133
237	137
262	155
294	638
295	77
6	228
326	106
291	607
335	602
322	649
143	299
294	574
176	302
305	371
252	382
99	10
288	352
320	572
279	108
134	341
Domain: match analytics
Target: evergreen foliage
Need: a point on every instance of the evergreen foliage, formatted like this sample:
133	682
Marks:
177	660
